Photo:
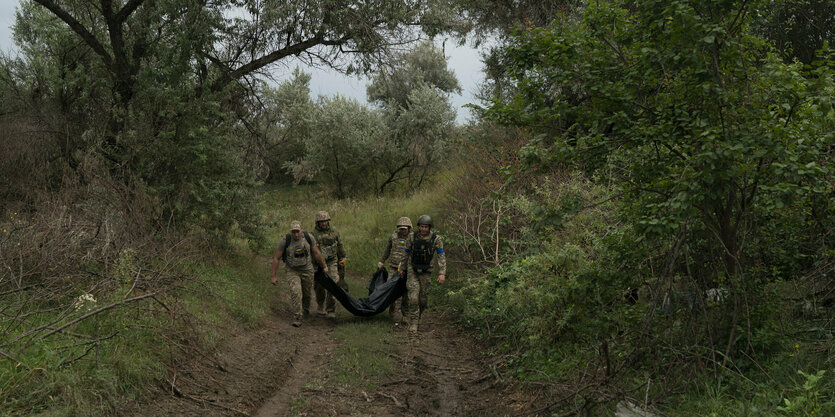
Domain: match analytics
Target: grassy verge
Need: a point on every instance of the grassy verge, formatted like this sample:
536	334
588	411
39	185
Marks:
91	366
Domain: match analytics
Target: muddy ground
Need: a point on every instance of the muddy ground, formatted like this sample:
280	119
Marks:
278	370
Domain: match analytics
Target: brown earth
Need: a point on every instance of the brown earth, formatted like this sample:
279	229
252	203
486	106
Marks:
278	370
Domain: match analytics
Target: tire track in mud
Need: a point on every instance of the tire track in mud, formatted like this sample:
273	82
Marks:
313	352
269	364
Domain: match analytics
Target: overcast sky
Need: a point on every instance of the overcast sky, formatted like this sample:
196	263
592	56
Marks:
464	61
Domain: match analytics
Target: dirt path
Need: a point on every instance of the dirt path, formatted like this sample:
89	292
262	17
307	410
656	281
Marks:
278	370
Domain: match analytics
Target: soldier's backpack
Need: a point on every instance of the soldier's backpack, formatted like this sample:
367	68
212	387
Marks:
422	252
287	244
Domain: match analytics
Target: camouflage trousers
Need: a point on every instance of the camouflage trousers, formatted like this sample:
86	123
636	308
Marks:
417	291
325	299
300	284
399	307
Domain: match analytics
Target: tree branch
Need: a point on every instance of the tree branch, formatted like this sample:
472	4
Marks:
79	29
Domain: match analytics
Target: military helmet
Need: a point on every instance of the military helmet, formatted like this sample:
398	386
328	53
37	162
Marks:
425	219
404	222
322	216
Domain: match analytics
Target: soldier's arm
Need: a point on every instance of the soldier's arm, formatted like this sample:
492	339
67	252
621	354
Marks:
386	252
318	256
340	250
279	251
407	260
439	252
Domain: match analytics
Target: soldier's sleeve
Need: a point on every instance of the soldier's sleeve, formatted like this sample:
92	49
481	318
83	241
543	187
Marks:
407	260
340	250
439	253
386	252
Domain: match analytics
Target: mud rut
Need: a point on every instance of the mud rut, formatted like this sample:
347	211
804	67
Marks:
263	372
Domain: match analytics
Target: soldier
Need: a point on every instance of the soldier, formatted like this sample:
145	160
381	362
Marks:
395	253
297	250
331	247
421	249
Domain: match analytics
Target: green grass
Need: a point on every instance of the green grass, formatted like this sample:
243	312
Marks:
56	377
364	355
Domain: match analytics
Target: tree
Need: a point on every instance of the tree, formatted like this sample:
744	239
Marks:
798	28
705	130
166	85
414	96
282	121
343	150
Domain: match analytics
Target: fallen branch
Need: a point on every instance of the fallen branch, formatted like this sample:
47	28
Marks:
82	318
393	398
19	363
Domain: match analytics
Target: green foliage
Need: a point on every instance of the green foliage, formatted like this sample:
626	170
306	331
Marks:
556	295
345	147
798	28
418	117
714	154
287	122
706	131
425	65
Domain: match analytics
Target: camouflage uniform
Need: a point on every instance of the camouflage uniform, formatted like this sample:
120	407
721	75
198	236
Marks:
332	250
420	274
299	268
396	254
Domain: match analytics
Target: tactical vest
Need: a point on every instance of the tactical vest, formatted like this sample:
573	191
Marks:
327	242
398	253
422	252
299	252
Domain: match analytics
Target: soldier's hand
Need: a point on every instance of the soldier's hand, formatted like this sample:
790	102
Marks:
441	278
325	269
274	281
379	265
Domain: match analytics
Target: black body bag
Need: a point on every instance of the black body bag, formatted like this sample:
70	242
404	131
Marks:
382	292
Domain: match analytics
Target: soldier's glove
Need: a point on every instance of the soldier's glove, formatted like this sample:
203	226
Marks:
342	261
379	265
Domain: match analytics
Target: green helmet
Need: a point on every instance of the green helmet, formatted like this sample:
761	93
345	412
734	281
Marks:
322	216
425	219
404	222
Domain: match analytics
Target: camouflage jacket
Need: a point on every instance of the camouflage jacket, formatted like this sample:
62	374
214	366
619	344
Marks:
395	250
330	244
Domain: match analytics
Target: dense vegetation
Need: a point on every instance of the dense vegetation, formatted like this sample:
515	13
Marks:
642	210
676	240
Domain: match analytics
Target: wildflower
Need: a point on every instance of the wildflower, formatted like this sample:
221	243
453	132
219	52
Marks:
84	300
797	346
